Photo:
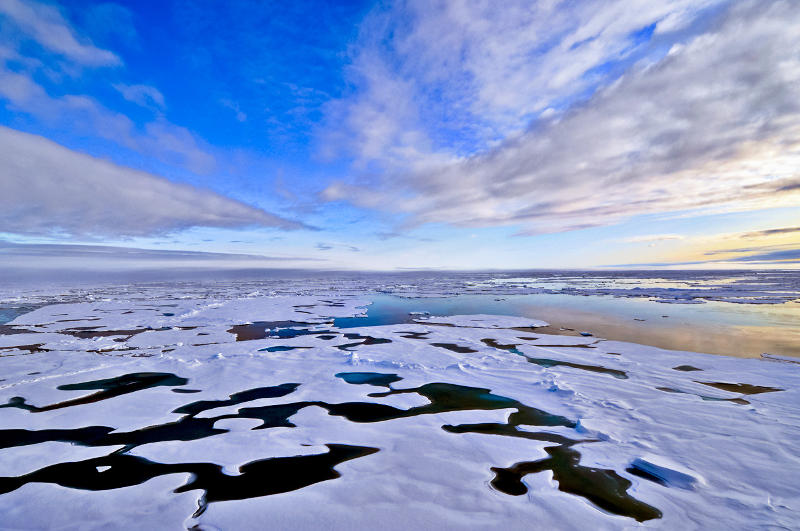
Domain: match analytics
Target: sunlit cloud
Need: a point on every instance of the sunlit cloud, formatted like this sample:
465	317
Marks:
548	134
713	123
47	189
772	232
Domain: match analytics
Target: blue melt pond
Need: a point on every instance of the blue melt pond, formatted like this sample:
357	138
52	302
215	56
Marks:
368	378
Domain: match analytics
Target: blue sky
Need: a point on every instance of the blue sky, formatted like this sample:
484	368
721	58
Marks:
394	135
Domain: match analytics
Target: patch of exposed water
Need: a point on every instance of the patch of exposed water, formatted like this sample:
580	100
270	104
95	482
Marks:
275	475
744	330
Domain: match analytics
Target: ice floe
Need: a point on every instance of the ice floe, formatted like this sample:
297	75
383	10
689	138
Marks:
159	408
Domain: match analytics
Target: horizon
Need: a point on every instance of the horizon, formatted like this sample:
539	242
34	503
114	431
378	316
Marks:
361	137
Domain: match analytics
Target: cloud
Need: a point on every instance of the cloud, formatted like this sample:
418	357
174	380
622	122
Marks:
21	74
165	141
322	246
142	95
54	262
421	92
787	255
47	189
45	25
762	255
714	123
107	252
770	232
652	238
391	234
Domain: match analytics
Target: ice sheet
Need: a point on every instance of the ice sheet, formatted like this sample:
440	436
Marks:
179	395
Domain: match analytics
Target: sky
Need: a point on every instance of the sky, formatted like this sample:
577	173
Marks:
416	134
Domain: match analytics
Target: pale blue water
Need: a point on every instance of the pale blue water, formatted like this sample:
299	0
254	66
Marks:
713	327
390	309
9	314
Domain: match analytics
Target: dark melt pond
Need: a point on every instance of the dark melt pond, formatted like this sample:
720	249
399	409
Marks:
604	488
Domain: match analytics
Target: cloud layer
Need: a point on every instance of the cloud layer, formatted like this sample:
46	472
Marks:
712	121
46	189
31	253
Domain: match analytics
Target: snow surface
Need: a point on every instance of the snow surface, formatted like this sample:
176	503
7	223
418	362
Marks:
726	460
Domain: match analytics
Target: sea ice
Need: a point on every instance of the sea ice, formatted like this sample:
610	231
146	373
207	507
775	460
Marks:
145	411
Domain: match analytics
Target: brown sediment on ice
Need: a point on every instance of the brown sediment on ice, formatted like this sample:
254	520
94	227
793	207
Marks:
9	330
33	348
739	400
265	329
488	341
454	347
745	389
89	332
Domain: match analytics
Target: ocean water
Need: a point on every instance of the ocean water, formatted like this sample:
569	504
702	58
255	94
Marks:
10	313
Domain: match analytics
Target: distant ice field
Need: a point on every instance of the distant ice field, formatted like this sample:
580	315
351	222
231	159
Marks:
733	313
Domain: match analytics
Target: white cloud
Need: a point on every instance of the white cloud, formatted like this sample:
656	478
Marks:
159	138
65	260
45	24
713	124
143	95
20	87
46	189
440	77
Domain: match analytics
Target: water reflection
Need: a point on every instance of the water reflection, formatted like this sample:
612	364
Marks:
743	330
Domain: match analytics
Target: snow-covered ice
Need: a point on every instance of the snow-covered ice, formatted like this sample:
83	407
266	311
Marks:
156	409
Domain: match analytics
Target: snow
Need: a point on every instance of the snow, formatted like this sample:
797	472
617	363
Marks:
721	464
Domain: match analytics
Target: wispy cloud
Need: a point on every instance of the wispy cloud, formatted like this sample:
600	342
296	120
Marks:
64	261
420	91
322	246
110	252
707	117
159	138
22	86
648	238
771	232
750	250
391	234
787	255
45	25
767	255
47	189
143	95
